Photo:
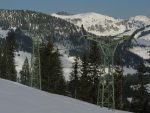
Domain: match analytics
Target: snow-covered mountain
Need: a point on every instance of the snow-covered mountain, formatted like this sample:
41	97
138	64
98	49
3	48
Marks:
16	98
142	45
137	27
143	19
62	32
95	23
66	33
103	25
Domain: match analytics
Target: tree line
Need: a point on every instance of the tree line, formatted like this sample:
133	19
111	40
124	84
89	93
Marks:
83	83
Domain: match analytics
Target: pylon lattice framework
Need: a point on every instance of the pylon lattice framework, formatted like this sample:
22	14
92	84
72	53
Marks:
35	59
106	89
106	93
35	65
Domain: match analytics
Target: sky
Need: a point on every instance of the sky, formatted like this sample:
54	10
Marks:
116	8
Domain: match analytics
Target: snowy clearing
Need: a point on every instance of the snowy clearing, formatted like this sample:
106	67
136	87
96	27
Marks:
3	33
20	58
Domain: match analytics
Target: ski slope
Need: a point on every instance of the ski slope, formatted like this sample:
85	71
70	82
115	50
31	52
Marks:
16	98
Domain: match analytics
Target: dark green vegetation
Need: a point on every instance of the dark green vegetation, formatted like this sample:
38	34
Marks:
51	70
84	80
7	63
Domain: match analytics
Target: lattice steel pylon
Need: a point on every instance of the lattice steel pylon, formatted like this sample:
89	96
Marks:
106	93
36	64
106	89
35	59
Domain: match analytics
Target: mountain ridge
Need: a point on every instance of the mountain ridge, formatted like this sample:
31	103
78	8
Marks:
103	25
67	36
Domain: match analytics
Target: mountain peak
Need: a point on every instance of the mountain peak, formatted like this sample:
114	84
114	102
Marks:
141	18
98	24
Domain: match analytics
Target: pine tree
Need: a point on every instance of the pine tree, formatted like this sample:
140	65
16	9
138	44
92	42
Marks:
51	70
25	76
141	93
3	65
74	79
0	62
8	63
60	83
118	84
94	62
45	56
85	81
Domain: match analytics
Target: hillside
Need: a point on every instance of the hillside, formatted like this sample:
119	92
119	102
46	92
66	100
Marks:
95	23
16	98
103	25
65	31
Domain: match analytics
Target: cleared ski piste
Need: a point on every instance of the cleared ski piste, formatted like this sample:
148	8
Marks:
17	98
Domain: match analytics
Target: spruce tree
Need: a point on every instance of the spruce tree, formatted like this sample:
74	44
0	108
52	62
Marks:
118	84
140	95
45	58
51	69
8	63
0	62
25	76
74	79
3	65
59	83
94	62
85	81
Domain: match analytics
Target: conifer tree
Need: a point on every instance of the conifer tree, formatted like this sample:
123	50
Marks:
118	84
60	83
85	81
74	79
51	70
0	62
25	76
94	62
8	63
141	93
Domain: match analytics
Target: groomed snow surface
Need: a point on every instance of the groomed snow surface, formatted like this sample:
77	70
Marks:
16	98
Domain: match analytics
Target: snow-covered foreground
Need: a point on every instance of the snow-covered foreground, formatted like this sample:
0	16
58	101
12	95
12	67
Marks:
16	98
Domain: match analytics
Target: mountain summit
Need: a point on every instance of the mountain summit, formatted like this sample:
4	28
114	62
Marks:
103	25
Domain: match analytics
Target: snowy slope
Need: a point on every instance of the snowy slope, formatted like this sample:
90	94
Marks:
143	52
66	64
20	58
148	88
16	98
103	25
140	18
129	70
3	33
95	23
142	43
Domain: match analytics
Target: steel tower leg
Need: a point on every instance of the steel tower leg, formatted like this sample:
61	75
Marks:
106	89
35	65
